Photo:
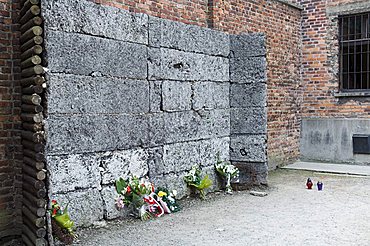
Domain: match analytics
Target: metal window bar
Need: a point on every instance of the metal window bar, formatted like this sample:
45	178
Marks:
354	58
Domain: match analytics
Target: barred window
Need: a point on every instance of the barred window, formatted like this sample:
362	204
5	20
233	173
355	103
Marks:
354	41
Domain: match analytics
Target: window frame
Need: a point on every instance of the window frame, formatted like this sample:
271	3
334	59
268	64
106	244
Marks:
351	39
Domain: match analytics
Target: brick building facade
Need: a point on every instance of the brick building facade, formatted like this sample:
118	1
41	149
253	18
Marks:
302	80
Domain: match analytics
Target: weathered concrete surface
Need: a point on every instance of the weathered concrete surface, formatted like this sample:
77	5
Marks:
248	95
248	148
179	65
86	55
115	132
123	164
109	195
188	125
105	95
252	173
73	172
176	35
330	140
240	45
176	96
314	218
248	120
210	95
89	18
256	72
132	94
85	206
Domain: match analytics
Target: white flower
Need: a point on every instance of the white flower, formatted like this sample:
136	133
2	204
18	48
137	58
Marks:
174	192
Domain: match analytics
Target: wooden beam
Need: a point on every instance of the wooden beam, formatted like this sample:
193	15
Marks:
34	50
31	33
36	137
27	5
35	21
32	127
30	13
35	80
40	232
32	108
31	99
35	70
40	175
37	147
34	155
37	40
34	164
32	61
35	200
36	118
38	222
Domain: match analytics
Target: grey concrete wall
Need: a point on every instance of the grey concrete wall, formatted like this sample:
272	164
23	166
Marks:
330	140
248	112
133	94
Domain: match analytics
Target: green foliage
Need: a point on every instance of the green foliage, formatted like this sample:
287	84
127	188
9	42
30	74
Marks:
193	178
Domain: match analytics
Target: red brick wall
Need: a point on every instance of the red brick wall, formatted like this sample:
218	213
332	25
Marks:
188	11
10	150
281	23
320	64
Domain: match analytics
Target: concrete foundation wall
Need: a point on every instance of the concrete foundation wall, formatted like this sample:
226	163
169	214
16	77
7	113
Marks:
134	94
330	140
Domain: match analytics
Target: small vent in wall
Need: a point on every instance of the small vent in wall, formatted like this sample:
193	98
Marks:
361	144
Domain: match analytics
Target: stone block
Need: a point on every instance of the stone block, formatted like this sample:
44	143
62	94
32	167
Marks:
180	157
188	125
254	173
248	148
176	35
85	206
172	181
155	89
123	163
95	19
109	195
85	94
247	45
85	55
248	70
73	172
155	161
93	133
179	65
248	95
210	95
176	95
248	120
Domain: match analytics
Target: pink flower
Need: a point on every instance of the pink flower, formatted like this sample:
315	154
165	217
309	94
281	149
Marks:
119	203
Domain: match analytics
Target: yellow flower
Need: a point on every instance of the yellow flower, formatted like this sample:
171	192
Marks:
162	193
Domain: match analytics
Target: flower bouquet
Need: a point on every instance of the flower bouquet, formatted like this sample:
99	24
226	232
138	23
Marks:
193	179
227	171
61	223
137	195
167	200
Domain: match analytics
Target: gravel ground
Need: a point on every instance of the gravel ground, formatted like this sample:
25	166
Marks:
289	215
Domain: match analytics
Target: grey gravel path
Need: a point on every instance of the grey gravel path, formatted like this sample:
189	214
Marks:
289	215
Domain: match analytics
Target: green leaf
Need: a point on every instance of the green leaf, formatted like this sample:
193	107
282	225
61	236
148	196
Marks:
205	183
120	185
